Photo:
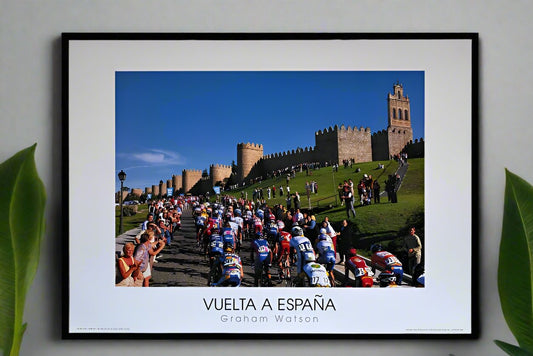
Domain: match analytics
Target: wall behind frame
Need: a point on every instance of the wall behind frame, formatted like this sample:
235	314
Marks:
30	101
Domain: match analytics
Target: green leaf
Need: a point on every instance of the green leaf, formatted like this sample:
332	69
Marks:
512	349
22	201
515	272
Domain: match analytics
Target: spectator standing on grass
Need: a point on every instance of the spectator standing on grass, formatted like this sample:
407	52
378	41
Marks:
413	246
376	191
348	201
273	191
388	188
341	191
281	191
288	191
296	200
289	202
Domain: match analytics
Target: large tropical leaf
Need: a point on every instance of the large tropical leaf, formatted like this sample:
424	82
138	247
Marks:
515	269
22	200
512	349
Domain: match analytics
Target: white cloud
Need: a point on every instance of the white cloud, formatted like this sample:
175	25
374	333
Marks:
150	157
155	157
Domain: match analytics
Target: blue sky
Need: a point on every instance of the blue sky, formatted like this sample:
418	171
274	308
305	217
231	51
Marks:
170	121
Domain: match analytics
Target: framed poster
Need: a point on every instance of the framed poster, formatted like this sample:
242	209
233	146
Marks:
171	127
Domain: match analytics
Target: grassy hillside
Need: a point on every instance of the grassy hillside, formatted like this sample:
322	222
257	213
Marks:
376	222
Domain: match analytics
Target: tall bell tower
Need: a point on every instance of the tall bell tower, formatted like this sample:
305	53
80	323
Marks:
399	108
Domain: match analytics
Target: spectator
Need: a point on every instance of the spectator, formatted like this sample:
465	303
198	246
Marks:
348	201
340	192
298	217
344	241
413	246
376	191
129	273
296	200
149	219
143	253
310	228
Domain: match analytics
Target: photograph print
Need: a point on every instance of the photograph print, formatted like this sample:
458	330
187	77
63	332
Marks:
270	186
274	179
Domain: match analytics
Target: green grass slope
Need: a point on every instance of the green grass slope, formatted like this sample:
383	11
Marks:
376	222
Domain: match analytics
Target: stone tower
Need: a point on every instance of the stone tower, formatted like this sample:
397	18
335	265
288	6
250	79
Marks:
162	188
190	178
219	172
399	131
136	191
248	154
155	190
176	182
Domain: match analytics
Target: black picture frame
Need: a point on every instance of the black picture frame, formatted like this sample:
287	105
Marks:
73	59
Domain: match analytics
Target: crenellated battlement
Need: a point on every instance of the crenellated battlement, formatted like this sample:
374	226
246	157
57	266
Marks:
380	133
250	146
342	129
225	166
298	151
194	171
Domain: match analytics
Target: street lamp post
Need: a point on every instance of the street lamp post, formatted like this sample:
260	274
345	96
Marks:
122	178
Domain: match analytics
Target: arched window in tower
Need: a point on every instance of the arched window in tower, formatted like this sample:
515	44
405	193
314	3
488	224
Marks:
394	113
406	116
400	114
399	95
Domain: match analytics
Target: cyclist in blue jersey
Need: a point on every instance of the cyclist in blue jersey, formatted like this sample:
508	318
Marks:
261	256
304	252
228	235
231	267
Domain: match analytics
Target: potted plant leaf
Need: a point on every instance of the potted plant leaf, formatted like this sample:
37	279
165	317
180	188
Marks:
22	202
515	267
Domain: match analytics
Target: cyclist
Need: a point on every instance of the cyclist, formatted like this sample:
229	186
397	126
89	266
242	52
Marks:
231	267
248	222
283	244
272	232
316	274
303	250
283	252
363	274
258	225
228	235
200	221
261	257
387	279
326	255
386	261
216	250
